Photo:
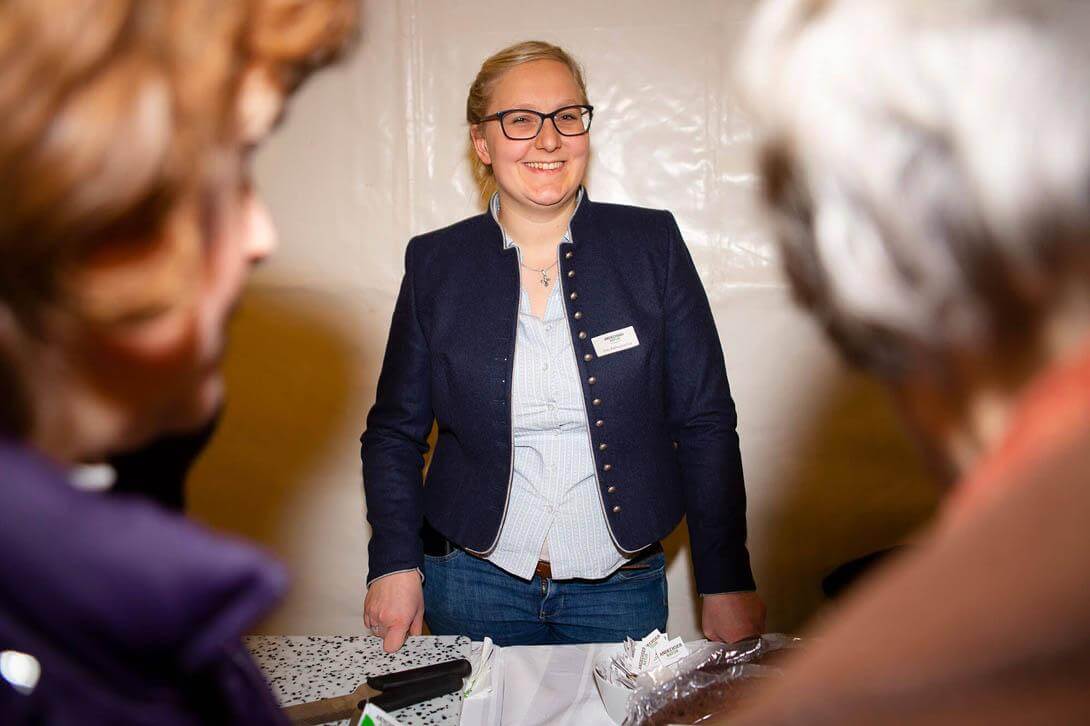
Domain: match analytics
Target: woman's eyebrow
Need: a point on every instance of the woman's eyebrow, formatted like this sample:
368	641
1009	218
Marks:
552	107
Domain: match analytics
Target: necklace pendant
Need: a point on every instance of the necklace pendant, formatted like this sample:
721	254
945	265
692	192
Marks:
544	278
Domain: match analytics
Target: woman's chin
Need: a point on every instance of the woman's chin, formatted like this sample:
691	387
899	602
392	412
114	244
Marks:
198	409
552	197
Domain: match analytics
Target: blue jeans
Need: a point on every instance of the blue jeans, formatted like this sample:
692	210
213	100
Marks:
465	595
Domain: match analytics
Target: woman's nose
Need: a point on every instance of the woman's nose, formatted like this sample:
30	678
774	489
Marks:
261	237
548	139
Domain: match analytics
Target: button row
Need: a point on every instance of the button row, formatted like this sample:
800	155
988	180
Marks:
591	380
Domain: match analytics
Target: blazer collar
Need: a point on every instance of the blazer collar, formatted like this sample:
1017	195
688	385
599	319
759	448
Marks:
509	242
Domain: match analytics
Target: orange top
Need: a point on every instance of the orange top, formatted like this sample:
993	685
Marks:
1052	412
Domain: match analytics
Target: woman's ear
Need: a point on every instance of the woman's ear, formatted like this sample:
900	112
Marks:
480	145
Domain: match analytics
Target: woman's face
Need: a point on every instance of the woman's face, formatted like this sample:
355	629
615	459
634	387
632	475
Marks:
544	173
155	366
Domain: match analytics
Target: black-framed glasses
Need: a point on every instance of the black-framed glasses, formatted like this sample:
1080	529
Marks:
523	124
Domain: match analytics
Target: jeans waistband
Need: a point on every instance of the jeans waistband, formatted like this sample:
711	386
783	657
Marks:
436	545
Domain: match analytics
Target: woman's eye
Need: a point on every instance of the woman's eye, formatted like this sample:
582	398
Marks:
520	119
569	116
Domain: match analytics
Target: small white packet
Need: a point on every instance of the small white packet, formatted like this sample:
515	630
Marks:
655	650
479	681
671	652
375	716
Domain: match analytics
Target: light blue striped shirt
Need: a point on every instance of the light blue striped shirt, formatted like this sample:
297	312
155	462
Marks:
554	508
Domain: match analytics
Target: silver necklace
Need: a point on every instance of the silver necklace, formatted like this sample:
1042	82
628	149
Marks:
544	272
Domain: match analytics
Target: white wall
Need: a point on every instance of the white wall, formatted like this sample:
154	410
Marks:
374	152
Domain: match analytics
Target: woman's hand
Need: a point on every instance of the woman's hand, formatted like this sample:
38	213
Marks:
394	608
732	616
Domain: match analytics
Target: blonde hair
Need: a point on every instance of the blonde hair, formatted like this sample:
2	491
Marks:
480	94
116	116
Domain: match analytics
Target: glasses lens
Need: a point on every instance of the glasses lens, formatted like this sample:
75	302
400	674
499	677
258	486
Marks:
572	120
521	124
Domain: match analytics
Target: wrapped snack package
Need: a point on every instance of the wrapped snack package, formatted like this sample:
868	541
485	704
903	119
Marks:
709	682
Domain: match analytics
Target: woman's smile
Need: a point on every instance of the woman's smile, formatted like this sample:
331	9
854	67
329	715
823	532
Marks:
544	167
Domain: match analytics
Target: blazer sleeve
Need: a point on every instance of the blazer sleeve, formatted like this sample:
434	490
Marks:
393	445
702	420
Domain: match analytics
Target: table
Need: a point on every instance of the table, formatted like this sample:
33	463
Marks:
541	684
538	684
303	668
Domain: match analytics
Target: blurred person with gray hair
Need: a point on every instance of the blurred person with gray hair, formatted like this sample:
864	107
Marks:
927	167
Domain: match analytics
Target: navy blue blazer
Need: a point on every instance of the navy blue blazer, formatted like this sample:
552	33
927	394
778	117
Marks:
667	444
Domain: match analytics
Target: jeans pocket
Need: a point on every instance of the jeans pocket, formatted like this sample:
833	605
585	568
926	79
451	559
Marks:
441	559
648	567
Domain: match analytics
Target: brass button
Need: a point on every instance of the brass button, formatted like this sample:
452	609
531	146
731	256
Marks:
588	357
582	335
597	402
578	315
591	381
616	510
573	296
571	273
603	446
568	255
611	490
607	467
599	423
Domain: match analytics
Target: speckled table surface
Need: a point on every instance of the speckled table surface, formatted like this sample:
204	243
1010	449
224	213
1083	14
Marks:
304	668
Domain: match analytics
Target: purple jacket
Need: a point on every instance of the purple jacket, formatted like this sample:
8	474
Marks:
134	614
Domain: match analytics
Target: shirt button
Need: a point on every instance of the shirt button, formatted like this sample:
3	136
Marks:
568	255
616	510
578	315
549	328
582	335
573	296
597	402
603	446
588	357
544	366
599	423
571	273
607	467
611	490
592	380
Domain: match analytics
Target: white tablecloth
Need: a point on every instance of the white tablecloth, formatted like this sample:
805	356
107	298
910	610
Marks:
540	684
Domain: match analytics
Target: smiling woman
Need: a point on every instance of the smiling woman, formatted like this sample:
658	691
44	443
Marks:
580	416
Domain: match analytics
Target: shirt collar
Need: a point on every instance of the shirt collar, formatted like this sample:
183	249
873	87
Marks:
508	240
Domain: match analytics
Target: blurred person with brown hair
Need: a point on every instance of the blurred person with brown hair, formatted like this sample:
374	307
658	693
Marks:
927	164
128	226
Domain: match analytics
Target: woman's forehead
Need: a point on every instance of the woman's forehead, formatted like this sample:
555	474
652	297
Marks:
542	85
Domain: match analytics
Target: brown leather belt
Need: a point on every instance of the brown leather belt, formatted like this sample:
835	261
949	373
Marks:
545	572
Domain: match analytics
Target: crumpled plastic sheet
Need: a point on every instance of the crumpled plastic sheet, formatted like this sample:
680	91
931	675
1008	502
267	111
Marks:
706	683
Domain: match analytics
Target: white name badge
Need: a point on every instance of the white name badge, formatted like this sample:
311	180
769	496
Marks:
615	341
